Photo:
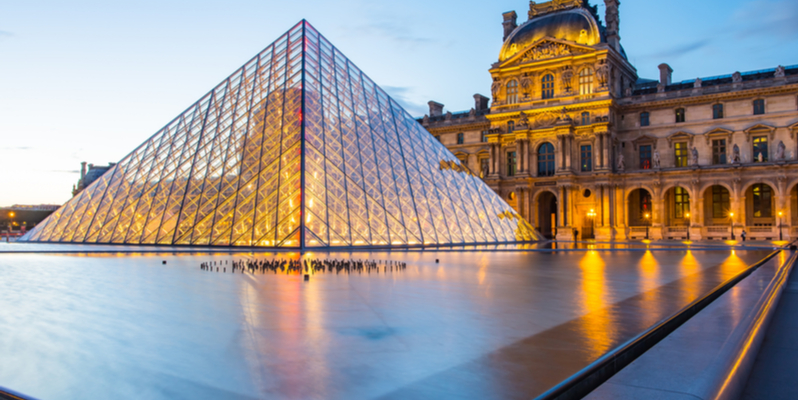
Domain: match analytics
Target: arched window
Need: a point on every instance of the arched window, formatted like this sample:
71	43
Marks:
585	80
547	160
548	85
460	138
510	126
720	202
511	92
585	119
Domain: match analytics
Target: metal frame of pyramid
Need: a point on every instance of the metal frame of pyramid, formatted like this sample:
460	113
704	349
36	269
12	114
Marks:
296	149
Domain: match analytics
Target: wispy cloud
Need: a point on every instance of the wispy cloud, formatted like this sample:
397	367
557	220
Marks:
395	31
401	94
5	35
768	19
680	50
17	148
66	171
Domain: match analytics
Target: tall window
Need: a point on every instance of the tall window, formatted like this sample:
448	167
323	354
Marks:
586	158
717	111
762	200
720	202
484	167
510	125
681	202
718	152
484	137
585	81
511	92
511	162
548	86
585	118
645	156
681	154
680	115
644	119
758	106
645	202
547	160
460	138
760	146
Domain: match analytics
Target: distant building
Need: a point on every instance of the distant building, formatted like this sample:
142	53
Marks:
87	177
576	140
24	217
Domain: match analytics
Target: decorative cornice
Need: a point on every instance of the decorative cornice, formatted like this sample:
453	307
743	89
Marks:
692	99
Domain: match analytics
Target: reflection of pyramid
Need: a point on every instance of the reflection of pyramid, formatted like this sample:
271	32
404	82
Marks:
298	148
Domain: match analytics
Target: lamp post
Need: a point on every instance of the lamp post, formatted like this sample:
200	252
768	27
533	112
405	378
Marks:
10	225
647	227
731	219
780	231
688	224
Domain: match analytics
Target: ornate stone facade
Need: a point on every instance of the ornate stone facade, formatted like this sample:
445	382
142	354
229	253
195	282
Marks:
579	144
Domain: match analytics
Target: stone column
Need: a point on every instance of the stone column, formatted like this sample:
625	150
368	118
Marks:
518	151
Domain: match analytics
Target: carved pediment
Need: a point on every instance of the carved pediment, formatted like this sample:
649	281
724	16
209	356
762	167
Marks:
718	133
680	137
546	49
760	128
643	139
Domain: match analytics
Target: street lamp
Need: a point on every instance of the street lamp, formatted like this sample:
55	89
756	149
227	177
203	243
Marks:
731	219
647	227
688	224
780	231
10	225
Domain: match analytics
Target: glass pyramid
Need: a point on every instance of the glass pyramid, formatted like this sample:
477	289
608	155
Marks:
297	148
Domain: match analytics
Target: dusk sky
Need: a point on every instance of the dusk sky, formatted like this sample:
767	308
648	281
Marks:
91	80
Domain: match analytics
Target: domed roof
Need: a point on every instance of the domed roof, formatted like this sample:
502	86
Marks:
576	25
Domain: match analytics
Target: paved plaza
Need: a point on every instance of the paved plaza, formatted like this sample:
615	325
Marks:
477	324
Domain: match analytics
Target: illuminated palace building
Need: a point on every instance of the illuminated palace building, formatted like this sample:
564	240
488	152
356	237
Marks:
578	143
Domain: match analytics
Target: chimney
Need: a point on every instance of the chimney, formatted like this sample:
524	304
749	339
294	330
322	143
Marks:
509	23
435	108
665	76
83	170
612	24
481	102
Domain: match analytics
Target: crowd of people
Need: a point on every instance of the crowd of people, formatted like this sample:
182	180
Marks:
304	266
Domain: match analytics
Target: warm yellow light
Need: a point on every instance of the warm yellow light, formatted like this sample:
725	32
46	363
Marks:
647	216
731	215
780	213
686	215
646	241
11	214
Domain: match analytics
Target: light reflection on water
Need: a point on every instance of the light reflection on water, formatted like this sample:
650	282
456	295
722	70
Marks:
130	327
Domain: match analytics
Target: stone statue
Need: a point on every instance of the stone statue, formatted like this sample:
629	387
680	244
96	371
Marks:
737	77
425	120
472	112
694	156
628	91
737	158
760	157
698	83
656	159
780	154
602	74
564	116
522	123
495	90
620	162
780	72
525	83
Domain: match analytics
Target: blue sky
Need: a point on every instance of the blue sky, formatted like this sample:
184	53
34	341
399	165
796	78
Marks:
90	80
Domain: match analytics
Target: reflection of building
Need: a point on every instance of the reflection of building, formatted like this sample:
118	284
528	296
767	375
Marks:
573	131
24	217
87	177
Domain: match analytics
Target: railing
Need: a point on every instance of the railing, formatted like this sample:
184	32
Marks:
717	229
639	229
759	229
678	229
